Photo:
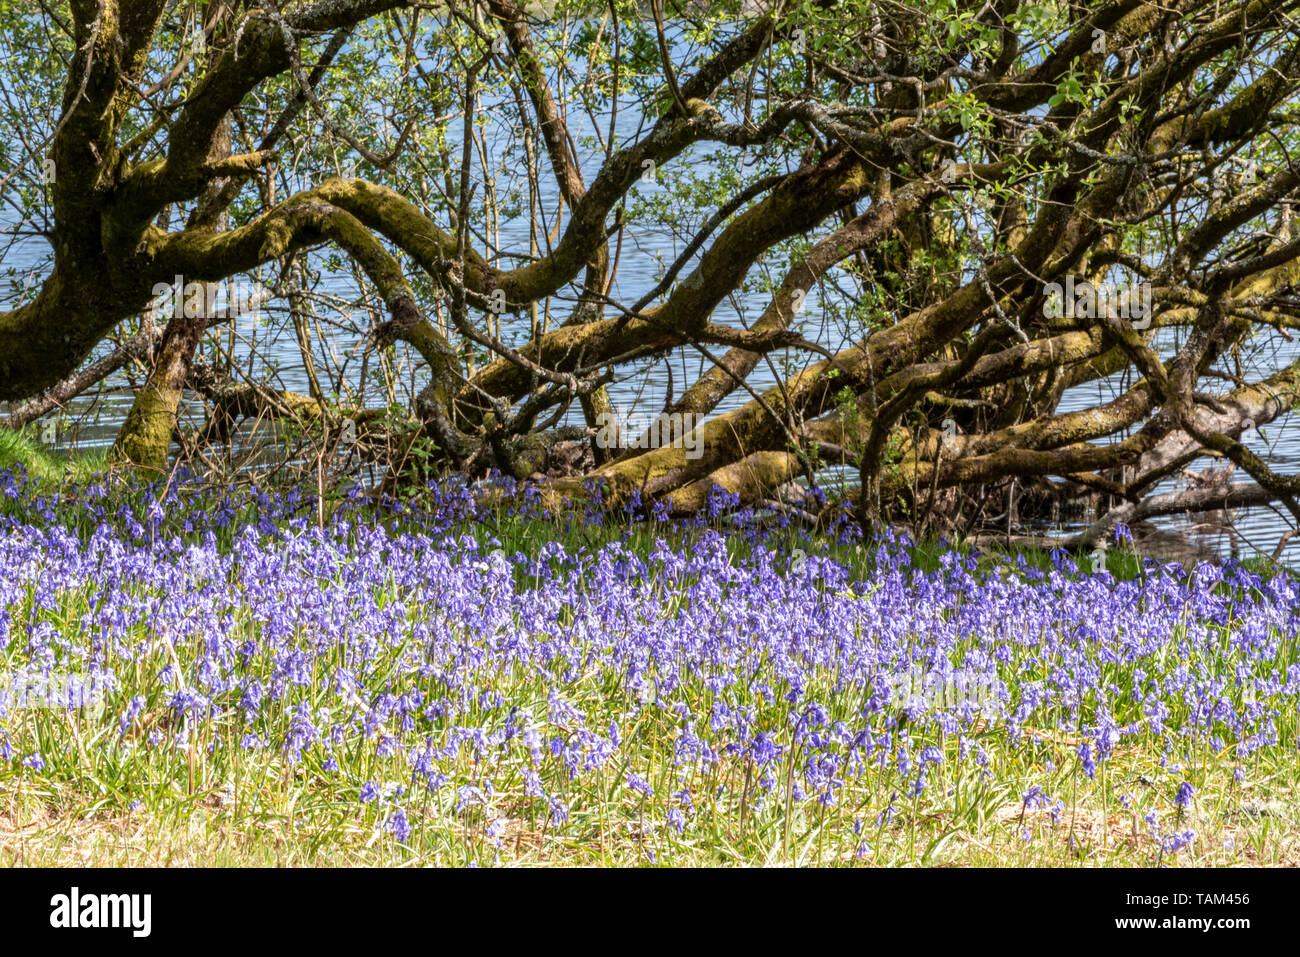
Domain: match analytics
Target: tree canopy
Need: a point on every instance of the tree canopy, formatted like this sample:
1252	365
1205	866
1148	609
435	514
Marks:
985	206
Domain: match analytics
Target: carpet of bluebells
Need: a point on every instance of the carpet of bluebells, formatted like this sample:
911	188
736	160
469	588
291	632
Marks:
450	686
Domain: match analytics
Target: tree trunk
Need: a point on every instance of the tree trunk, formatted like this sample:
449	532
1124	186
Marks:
146	436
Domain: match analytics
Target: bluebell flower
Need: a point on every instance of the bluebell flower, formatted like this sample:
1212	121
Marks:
1086	761
398	826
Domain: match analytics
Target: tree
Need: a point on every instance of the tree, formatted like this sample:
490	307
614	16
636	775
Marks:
991	206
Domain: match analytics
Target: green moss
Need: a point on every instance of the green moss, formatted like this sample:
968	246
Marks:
146	436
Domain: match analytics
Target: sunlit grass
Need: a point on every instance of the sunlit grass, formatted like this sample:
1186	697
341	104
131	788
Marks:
49	467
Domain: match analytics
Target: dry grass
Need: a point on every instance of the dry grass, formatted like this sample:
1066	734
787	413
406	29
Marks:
1253	825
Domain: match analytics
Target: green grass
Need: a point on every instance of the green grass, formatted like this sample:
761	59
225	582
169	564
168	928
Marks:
304	821
47	467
